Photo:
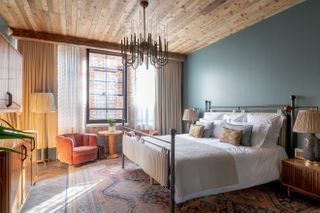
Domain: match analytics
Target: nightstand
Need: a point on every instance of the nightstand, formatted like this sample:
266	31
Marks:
301	176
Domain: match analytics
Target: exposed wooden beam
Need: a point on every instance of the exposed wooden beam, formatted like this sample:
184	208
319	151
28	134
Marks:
57	38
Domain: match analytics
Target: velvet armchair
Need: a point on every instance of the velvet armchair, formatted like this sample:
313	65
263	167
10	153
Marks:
76	148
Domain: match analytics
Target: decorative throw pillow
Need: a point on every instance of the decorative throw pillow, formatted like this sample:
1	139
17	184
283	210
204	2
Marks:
208	128
247	131
230	136
196	130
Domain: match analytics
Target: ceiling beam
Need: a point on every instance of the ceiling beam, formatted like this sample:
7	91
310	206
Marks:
57	38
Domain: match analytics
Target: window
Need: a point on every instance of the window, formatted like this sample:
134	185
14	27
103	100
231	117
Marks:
106	87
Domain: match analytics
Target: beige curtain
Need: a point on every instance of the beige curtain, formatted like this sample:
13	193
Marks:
168	98
11	118
39	75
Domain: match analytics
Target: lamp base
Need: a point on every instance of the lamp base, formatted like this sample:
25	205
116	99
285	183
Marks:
188	126
311	148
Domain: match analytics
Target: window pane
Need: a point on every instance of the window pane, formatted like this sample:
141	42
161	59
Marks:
114	62
97	60
115	114
97	88
115	102
97	74
97	114
106	95
115	75
97	101
114	88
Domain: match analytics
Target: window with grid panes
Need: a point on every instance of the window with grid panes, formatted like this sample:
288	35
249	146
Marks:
106	87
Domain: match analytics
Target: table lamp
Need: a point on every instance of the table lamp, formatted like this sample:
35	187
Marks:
309	122
189	115
42	103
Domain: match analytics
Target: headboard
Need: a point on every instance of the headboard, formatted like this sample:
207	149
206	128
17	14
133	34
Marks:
287	138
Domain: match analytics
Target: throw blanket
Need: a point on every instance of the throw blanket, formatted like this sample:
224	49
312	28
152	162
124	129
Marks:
199	166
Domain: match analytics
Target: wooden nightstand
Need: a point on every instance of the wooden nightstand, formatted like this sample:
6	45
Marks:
301	176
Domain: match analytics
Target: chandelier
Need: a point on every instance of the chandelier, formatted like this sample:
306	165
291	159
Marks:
142	48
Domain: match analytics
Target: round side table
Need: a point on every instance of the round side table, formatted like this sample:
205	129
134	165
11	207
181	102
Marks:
111	141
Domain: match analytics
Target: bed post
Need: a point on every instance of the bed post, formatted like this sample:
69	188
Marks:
122	156
172	170
292	119
207	106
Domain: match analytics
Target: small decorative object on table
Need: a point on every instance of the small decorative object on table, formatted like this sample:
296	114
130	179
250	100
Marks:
111	123
309	122
298	153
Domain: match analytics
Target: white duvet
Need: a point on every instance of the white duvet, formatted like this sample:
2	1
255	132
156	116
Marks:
254	166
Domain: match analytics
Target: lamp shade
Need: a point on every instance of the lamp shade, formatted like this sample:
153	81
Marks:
307	122
42	103
189	115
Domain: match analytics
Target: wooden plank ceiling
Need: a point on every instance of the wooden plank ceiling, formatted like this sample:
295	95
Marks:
192	24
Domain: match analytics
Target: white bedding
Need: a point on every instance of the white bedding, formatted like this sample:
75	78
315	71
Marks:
255	166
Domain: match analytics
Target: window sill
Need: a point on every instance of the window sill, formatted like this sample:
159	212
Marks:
104	125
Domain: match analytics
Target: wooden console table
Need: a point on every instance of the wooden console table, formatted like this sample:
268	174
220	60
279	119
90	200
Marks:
301	176
17	173
110	135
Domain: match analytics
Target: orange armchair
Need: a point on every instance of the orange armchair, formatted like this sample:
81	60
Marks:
77	148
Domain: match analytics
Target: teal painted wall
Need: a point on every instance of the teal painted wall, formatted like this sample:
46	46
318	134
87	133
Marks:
263	64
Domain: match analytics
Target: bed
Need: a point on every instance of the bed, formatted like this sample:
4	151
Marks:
195	167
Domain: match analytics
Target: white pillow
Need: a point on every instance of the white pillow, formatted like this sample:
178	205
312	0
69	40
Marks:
274	120
238	117
259	134
217	127
205	120
212	116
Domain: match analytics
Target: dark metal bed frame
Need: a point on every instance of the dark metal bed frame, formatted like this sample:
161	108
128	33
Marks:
288	110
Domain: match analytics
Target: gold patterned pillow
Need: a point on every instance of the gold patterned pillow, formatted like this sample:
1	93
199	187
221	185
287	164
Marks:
230	136
196	130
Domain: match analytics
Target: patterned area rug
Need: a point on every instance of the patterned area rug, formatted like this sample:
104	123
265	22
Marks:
104	187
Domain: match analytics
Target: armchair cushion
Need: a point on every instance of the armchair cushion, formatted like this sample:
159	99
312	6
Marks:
84	150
